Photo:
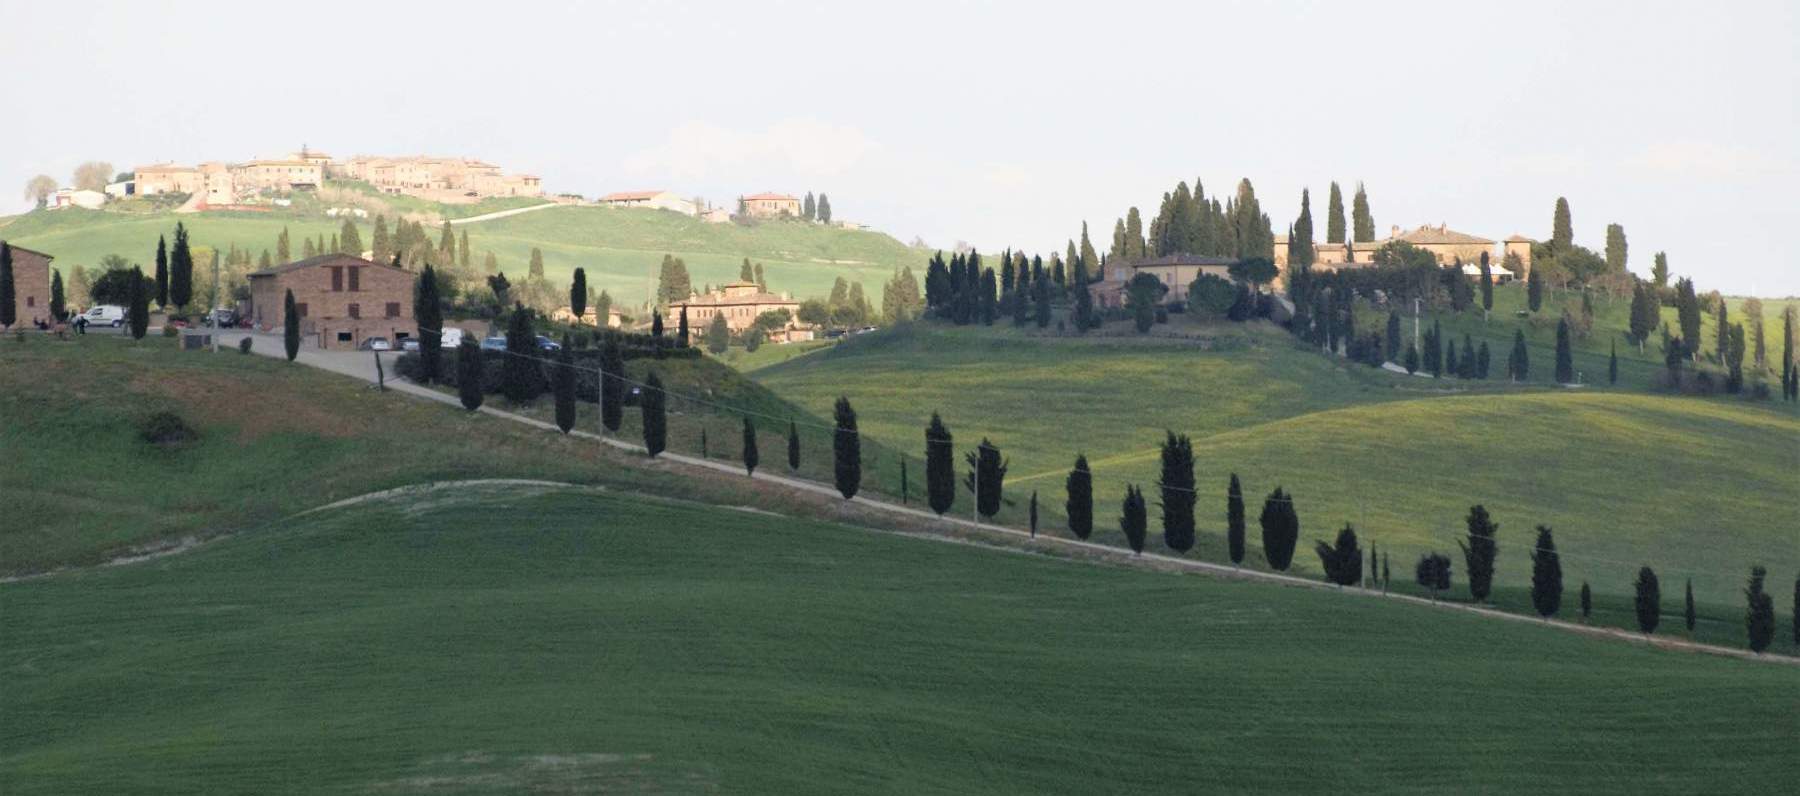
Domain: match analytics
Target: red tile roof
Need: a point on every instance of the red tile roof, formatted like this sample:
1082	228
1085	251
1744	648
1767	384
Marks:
770	197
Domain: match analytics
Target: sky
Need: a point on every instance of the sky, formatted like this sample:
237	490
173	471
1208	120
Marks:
998	124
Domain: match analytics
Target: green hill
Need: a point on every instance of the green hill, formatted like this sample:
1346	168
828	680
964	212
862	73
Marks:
1693	487
620	248
530	639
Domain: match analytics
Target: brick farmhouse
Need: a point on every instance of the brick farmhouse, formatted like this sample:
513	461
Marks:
31	287
341	300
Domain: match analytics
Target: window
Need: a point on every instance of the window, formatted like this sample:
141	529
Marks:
356	310
344	337
300	309
31	301
337	279
355	280
393	309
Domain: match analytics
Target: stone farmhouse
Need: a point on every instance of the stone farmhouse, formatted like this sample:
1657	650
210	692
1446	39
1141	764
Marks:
566	314
741	303
1175	271
31	287
217	183
770	205
660	200
341	300
444	179
1444	243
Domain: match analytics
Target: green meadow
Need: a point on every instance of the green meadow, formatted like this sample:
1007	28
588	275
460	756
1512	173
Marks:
572	640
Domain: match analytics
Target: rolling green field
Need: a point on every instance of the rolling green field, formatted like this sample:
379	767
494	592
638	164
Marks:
520	639
621	249
1700	488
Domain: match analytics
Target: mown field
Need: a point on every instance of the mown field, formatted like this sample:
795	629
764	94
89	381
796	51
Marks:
1700	488
576	641
622	249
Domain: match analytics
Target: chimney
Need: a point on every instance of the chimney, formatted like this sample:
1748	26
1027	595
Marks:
1396	231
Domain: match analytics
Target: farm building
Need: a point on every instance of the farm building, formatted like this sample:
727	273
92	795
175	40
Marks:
341	300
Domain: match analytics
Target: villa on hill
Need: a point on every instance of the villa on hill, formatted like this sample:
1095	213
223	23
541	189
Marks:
341	300
1175	271
1448	245
31	287
566	314
741	303
659	200
769	205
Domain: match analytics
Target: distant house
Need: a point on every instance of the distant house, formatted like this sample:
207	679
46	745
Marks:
1174	271
716	215
659	200
771	205
121	189
741	303
565	314
166	178
75	197
341	300
31	287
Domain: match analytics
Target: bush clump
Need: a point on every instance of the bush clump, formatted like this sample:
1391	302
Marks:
166	429
244	345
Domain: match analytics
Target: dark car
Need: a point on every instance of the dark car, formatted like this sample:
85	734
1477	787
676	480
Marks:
544	343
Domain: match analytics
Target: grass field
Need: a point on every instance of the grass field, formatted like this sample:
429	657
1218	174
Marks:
505	641
1700	488
620	248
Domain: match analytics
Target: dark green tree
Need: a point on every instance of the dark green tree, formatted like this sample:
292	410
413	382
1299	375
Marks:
1565	362
1759	615
350	240
1080	504
520	373
940	466
1133	519
162	272
1433	572
1487	286
428	314
751	459
1393	336
1411	360
793	446
1040	294
1234	515
1178	494
1334	216
181	269
846	448
1280	530
469	373
1649	601
1518	365
1546	574
138	314
1534	291
578	291
1342	561
1687	613
1482	358
653	400
59	303
1687	314
9	296
290	326
1480	552
1562	232
1587	601
718	334
612	384
1612	365
681	329
1301	252
563	383
986	477
1362	221
1034	514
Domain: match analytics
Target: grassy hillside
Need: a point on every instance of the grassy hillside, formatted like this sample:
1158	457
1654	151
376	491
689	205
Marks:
276	438
581	642
620	248
1692	487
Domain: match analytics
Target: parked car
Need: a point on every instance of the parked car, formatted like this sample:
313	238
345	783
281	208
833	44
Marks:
544	343
224	317
493	344
409	344
451	337
105	315
376	344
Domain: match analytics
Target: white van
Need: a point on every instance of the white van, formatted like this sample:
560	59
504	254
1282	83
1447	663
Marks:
105	315
452	337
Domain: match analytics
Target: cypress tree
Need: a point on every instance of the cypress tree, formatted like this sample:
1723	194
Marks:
1534	291
1519	365
1040	290
1451	366
1481	361
1387	574
469	373
1546	574
986	477
1759	616
793	446
519	371
1280	529
1362	220
1687	313
428	315
1084	303
1587	601
612	384
181	269
1234	520
656	324
139	310
284	247
653	402
1466	367
9	297
1393	336
290	326
162	272
1342	561
1034	514
564	383
1080	505
750	456
681	330
940	466
1178	492
1787	360
1434	351
1411	360
1649	601
1133	519
578	296
1687	613
1487	287
903	484
846	447
1480	552
1334	216
58	302
1565	362
1374	572
1612	365
1562	233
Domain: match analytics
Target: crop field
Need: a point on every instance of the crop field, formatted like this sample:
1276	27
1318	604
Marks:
571	640
1699	488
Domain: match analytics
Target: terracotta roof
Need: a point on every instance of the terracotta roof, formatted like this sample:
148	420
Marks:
323	259
17	248
717	300
770	197
1441	235
1519	239
631	196
162	167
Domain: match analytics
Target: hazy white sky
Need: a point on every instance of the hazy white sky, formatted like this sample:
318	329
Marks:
999	124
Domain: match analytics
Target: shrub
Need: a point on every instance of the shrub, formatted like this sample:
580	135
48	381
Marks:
169	330
244	344
1433	572
166	429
